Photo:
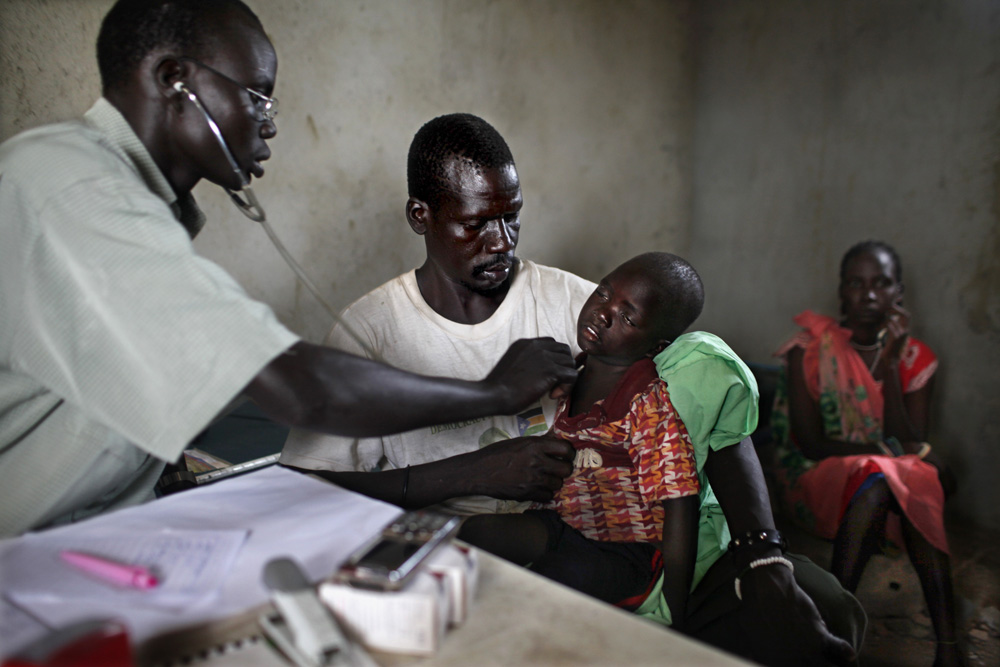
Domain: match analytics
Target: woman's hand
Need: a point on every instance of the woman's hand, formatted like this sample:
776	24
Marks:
897	332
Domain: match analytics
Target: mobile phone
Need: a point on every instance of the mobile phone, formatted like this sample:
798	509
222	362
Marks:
389	560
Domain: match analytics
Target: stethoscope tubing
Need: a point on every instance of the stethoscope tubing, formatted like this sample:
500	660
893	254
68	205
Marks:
252	209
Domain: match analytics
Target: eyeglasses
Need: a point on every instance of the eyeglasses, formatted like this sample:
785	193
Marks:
267	107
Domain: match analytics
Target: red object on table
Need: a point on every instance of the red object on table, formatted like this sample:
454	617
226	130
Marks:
87	644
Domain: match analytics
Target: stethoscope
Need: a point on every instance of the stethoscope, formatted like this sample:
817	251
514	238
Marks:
252	209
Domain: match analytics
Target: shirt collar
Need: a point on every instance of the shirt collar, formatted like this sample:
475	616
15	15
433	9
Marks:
119	134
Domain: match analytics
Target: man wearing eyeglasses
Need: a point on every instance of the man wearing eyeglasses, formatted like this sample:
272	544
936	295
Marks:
118	343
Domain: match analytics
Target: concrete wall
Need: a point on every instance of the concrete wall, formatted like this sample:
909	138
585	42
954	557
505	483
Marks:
594	99
824	123
799	128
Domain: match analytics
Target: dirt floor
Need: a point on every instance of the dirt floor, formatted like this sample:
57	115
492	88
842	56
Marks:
899	632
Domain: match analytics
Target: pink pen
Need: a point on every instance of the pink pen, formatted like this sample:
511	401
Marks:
119	574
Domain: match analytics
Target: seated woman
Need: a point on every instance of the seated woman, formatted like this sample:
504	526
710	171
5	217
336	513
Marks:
850	420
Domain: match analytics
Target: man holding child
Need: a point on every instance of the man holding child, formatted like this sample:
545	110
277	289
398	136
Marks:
444	317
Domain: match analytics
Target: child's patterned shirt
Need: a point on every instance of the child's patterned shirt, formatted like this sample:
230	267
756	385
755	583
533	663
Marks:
633	452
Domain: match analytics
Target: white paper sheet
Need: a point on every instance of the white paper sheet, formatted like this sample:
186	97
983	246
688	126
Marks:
286	513
190	565
17	625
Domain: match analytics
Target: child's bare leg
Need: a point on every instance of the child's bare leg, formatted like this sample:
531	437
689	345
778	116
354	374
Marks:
934	571
860	533
519	538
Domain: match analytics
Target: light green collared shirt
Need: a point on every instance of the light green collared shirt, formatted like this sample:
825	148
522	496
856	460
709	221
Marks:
118	344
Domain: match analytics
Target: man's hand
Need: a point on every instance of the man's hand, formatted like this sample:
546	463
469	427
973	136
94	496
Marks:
530	368
778	617
784	624
529	468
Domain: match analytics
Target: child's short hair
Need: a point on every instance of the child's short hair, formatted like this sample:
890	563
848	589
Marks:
680	293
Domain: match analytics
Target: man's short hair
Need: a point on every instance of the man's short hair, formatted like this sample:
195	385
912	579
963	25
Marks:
458	135
134	28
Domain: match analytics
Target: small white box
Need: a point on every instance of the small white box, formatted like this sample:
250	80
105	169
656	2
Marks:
411	620
458	565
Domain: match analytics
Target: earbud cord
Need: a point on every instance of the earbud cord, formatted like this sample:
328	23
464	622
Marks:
253	210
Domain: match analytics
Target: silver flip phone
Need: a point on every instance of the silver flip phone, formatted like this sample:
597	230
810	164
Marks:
388	561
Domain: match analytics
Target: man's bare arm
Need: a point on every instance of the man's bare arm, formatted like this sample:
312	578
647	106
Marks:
782	620
323	389
527	468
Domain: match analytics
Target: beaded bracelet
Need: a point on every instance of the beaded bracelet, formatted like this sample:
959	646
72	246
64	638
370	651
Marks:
760	562
758	537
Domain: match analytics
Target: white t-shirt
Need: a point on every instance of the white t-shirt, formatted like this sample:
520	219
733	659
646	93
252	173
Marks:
118	343
396	322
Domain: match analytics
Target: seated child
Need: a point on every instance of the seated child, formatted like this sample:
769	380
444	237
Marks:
633	493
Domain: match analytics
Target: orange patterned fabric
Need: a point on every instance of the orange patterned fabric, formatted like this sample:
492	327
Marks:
627	461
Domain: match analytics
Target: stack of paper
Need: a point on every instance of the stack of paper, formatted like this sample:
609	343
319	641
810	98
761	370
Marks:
207	545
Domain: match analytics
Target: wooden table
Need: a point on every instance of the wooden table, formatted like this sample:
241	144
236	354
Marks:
519	618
